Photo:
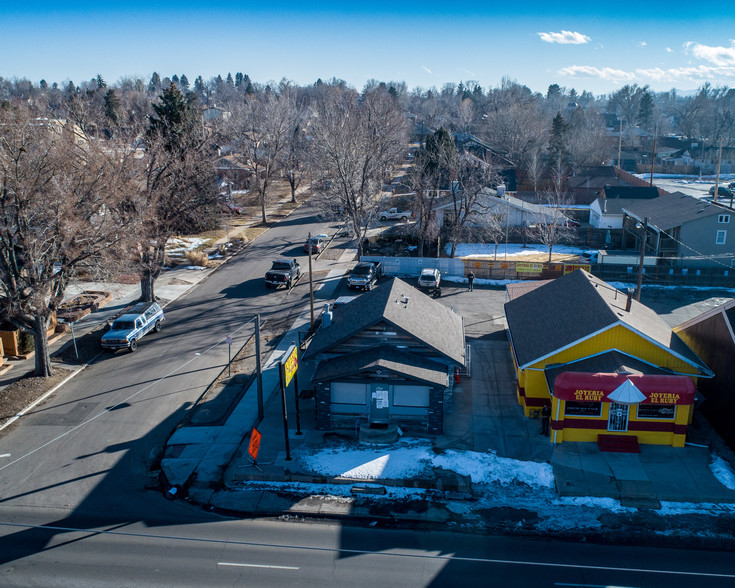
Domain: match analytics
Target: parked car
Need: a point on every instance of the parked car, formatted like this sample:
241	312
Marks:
318	243
395	214
283	272
128	329
430	280
365	275
231	207
721	191
731	185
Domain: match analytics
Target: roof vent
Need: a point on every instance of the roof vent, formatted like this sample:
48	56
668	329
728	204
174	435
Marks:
630	300
326	317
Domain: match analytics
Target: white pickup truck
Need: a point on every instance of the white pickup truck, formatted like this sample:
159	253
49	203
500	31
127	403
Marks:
395	214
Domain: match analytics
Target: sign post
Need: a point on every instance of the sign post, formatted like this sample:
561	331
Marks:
229	354
288	367
254	448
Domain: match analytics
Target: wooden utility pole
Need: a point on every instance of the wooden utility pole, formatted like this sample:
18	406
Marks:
620	144
717	171
311	284
653	154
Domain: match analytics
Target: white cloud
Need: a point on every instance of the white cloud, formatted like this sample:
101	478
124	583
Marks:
565	38
642	44
669	50
589	71
695	74
722	56
427	70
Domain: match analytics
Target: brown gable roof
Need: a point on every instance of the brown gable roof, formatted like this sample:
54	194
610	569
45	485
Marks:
383	357
575	307
403	306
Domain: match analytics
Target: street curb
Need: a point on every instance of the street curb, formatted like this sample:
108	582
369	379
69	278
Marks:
41	398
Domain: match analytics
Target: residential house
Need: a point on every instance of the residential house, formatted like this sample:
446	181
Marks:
606	211
387	357
509	210
681	230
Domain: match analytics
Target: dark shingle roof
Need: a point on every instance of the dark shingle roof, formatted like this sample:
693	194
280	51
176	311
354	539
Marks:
632	192
672	210
575	307
384	357
427	320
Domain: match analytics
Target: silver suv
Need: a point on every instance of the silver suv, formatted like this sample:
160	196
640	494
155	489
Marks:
128	329
430	279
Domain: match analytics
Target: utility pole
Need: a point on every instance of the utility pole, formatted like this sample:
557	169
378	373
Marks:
258	368
653	154
717	171
640	264
620	144
311	284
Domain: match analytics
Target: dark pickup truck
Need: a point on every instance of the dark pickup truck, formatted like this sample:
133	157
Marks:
283	272
365	275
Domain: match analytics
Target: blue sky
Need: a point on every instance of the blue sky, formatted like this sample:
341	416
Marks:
596	47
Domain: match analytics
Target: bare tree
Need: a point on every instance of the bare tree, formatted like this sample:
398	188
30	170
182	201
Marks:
60	195
267	125
467	196
355	142
555	229
294	160
177	191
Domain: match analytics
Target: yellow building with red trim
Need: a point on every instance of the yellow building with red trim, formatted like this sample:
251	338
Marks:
579	323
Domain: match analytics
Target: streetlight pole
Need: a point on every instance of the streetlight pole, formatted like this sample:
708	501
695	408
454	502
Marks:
640	264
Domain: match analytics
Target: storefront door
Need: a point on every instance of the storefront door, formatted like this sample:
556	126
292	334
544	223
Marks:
618	418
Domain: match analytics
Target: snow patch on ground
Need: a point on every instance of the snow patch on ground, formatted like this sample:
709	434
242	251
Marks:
180	245
415	459
722	471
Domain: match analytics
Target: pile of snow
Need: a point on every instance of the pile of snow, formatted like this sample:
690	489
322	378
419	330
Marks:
414	459
180	245
722	471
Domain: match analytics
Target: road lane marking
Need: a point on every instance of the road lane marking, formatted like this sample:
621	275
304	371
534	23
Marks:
118	404
425	556
5	455
245	565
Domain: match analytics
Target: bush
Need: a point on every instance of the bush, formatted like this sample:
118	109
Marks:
26	342
199	258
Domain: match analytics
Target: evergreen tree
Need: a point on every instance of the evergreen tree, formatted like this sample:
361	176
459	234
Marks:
553	92
558	151
175	80
249	90
43	85
230	82
174	118
100	82
155	84
112	106
184	81
238	79
199	85
645	110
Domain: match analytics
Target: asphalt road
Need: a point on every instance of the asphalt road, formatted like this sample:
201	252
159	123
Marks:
78	508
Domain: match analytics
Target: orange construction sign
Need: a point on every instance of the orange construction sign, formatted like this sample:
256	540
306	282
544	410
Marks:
254	446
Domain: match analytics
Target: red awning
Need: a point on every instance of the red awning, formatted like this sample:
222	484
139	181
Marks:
586	387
